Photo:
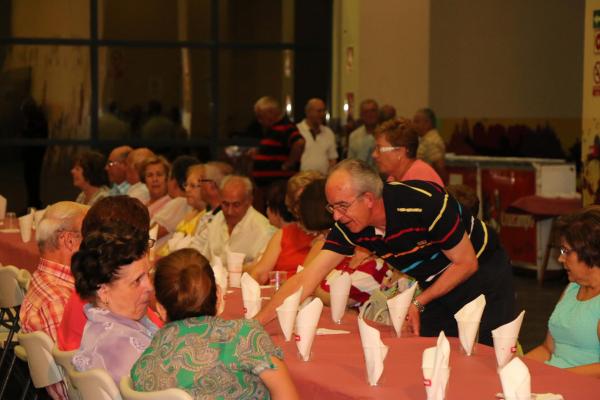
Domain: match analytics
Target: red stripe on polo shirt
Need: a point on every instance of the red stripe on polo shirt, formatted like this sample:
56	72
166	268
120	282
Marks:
402	232
263	157
271	142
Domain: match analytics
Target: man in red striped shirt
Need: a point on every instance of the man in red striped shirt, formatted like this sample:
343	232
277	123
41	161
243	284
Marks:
280	147
58	236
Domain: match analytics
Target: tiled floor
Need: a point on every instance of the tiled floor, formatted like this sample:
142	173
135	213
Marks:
538	303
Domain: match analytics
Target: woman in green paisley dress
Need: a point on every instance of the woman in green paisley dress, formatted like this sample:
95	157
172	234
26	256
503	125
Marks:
208	357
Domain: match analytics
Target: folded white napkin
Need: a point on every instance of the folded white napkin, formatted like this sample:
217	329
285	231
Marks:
235	261
516	381
435	368
2	207
339	291
286	313
220	273
374	350
306	326
398	306
505	340
25	225
37	217
250	295
468	319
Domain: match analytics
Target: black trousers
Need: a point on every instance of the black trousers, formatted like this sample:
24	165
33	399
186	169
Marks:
493	279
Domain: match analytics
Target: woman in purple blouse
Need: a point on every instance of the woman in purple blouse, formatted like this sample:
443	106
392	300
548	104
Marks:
111	273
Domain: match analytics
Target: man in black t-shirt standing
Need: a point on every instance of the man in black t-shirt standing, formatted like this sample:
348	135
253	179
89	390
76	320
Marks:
417	228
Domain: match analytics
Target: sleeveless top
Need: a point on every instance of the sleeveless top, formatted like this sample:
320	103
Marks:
295	245
574	328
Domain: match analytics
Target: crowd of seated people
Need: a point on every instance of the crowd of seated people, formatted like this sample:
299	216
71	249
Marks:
95	265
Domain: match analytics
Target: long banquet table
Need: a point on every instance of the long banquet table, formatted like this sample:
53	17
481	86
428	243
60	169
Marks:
337	368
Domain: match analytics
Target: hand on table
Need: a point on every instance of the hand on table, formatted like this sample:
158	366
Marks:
413	321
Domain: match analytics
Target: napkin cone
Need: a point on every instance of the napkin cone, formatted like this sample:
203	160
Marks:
339	291
286	313
25	225
505	340
398	307
468	319
220	273
435	368
250	295
516	381
306	327
374	351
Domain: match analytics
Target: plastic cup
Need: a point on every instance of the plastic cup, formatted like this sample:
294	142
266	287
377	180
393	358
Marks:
277	278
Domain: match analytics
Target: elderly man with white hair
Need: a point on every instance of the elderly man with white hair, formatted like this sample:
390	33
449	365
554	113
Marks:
238	227
58	237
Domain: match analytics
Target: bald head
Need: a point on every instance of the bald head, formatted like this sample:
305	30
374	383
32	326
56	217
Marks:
236	198
315	112
116	166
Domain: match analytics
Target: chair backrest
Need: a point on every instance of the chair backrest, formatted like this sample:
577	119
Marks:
42	368
63	360
11	291
95	384
129	393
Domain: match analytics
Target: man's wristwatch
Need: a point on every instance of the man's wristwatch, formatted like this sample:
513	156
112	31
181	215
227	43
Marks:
419	306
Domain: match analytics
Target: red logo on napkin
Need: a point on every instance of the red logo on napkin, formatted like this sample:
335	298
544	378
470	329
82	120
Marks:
427	382
297	338
513	349
245	310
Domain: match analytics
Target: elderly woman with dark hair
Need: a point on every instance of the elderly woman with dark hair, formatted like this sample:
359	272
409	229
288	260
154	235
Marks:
111	273
573	339
395	153
208	357
90	176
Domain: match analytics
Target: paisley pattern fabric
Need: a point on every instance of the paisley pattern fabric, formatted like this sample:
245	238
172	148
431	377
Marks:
208	357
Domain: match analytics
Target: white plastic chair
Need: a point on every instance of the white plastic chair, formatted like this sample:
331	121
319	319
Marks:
95	384
63	360
13	284
129	393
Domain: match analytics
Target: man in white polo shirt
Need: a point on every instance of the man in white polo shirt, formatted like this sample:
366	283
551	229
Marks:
319	150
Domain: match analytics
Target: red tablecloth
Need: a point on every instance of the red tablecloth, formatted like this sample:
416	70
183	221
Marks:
14	252
337	368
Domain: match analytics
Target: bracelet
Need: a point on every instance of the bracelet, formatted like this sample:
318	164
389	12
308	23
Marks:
419	306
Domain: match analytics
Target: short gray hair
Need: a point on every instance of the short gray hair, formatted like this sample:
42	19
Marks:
243	179
267	103
214	173
59	217
364	178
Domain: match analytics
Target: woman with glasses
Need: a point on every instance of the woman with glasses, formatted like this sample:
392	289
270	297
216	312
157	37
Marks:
395	152
573	338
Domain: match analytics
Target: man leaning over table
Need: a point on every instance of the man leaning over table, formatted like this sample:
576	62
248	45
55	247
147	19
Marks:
58	236
417	228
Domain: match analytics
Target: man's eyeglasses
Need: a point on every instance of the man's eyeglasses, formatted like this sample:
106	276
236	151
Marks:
342	206
564	251
113	163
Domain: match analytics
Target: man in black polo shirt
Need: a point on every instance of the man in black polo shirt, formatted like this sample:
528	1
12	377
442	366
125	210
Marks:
420	230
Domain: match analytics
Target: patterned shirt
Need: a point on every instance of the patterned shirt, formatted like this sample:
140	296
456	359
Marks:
208	357
422	220
112	342
49	290
274	150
